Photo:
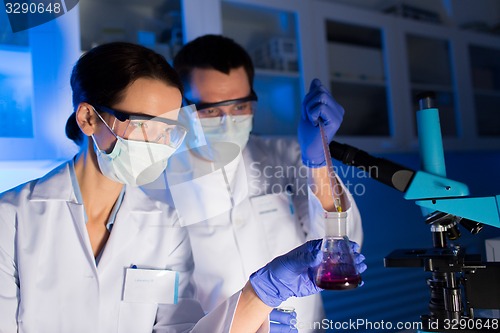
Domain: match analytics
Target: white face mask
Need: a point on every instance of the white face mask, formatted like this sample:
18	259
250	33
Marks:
236	129
134	163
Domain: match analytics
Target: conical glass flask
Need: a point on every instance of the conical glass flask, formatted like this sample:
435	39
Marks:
338	269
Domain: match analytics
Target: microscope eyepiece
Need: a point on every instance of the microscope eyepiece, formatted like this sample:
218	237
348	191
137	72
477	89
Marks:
472	226
426	100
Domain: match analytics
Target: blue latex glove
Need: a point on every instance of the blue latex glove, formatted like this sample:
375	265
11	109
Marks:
317	104
283	322
291	274
358	259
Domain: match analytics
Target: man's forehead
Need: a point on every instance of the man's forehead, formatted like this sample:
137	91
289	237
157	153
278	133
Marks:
210	85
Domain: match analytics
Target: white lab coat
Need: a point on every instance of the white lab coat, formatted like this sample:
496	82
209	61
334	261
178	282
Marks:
228	248
49	281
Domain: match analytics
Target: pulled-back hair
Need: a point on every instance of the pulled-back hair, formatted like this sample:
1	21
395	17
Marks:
212	52
102	74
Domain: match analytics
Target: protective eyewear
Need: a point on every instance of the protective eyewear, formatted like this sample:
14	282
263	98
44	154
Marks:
141	127
233	107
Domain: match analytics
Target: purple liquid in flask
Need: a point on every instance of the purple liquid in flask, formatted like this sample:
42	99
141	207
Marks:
338	268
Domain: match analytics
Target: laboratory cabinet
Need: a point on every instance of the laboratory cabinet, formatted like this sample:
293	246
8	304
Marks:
273	44
485	72
352	61
374	63
378	63
156	24
271	32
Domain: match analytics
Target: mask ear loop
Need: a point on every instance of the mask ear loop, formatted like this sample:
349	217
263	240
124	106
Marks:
105	124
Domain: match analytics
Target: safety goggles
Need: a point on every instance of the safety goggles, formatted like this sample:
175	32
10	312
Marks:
141	127
220	110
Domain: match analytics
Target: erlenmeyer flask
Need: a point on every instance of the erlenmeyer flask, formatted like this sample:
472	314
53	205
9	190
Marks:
338	269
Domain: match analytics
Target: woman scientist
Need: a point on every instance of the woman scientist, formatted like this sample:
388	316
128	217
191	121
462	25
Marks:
83	249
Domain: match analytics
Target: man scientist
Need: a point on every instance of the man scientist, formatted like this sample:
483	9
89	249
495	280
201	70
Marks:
274	214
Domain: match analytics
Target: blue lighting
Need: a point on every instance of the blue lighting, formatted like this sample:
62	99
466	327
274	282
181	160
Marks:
16	87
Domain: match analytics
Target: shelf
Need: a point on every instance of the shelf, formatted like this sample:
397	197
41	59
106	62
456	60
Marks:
432	87
358	80
352	60
253	26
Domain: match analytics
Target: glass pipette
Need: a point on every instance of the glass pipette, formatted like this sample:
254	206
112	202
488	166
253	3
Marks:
328	157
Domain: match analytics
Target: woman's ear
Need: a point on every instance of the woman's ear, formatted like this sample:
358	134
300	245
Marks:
86	118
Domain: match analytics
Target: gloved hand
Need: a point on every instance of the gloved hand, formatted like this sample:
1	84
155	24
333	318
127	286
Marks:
291	274
282	321
317	105
358	259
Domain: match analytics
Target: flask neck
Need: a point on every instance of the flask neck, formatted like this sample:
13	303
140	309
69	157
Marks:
335	224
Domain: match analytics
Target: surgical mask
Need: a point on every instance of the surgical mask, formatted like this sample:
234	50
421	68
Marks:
235	129
132	162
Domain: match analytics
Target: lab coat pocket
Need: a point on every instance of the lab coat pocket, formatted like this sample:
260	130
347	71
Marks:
151	286
278	218
137	317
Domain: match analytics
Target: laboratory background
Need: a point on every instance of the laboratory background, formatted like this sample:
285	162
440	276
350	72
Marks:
376	56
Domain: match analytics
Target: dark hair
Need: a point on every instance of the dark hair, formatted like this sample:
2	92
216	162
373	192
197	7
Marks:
212	52
103	73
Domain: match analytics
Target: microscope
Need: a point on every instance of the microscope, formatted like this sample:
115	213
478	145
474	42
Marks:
459	283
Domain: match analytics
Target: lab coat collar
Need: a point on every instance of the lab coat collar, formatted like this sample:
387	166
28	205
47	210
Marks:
44	189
